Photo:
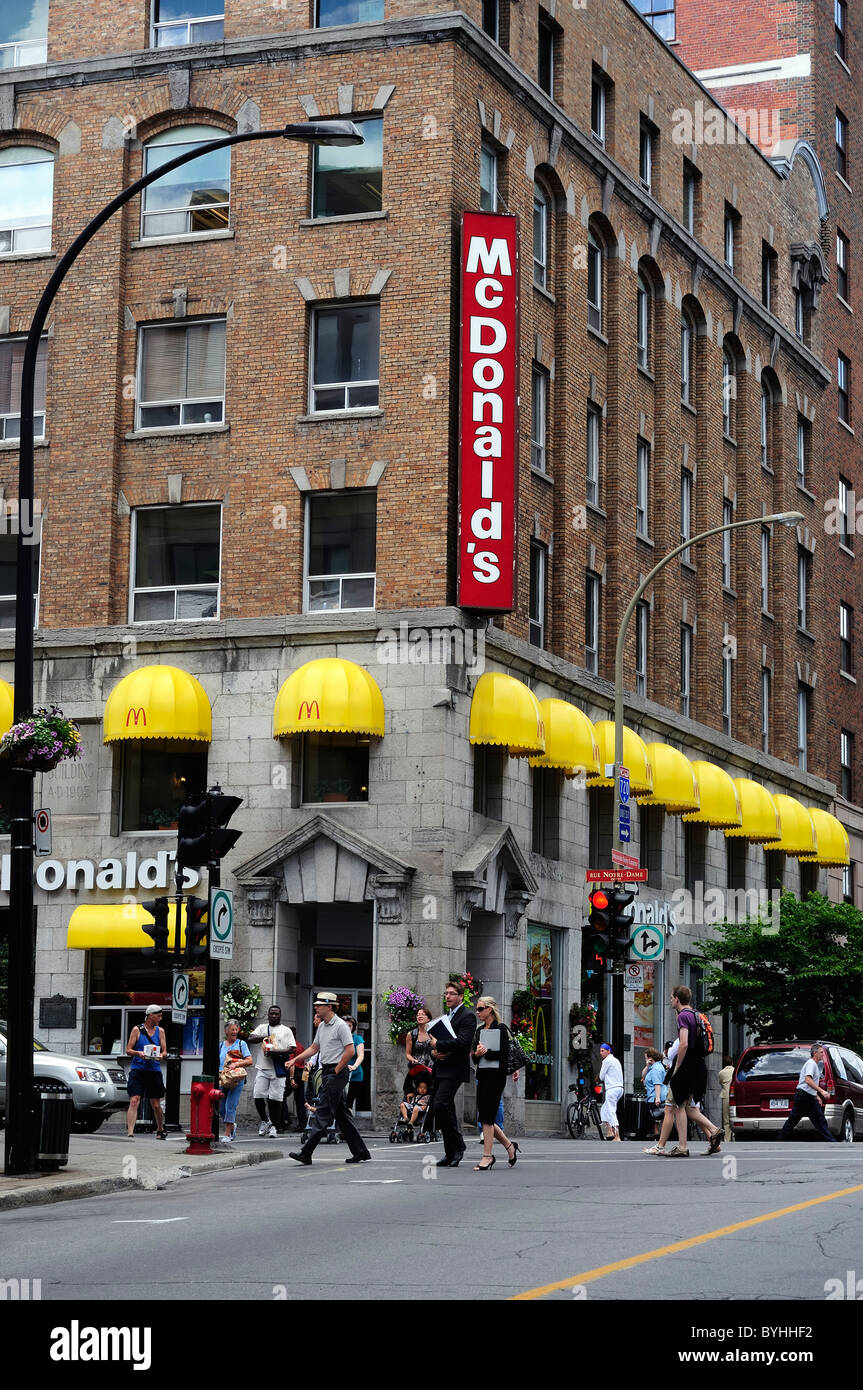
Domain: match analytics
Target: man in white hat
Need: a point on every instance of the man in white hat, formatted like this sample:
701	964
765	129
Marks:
335	1046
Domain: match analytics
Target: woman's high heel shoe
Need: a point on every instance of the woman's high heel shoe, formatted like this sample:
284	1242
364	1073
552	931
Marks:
485	1167
514	1160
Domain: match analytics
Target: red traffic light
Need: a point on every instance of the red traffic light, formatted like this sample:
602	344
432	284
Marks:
599	899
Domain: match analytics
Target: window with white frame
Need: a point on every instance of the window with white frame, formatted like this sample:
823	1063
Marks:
803	438
803	568
347	180
592	593
598	107
11	367
846	639
643	323
691	190
642	488
176	563
687	351
842	258
802	727
179	22
840	27
193	198
642	626
539	418
729	394
646	140
9	572
799	316
595	263
685	669
541	230
488	173
26	199
843	386
686	512
841	144
765	569
23	33
727	569
659	13
765	709
846	763
846	513
345	356
341	549
181	374
729	237
766	405
330	13
538	582
727	693
594	425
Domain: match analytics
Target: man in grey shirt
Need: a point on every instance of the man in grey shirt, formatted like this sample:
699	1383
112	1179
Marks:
806	1098
335	1046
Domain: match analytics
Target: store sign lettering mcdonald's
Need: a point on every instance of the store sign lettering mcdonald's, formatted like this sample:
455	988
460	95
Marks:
488	445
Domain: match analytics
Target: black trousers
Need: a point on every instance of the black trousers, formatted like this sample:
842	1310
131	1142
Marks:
331	1106
444	1092
808	1106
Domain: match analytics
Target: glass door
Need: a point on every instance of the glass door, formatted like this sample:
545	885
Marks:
356	1003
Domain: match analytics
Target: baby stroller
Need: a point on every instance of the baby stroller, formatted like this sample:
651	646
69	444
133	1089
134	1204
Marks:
403	1132
313	1088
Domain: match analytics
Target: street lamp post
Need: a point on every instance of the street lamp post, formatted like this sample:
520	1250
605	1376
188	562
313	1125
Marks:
22	937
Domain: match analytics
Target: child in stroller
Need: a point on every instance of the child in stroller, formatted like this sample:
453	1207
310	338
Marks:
416	1118
313	1087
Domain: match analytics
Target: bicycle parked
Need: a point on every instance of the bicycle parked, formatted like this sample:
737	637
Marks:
582	1112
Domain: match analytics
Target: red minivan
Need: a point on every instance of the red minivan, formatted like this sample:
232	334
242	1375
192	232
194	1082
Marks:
765	1079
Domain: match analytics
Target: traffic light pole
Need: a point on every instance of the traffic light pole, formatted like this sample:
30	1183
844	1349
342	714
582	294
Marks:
212	998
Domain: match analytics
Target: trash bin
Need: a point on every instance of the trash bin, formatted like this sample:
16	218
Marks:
52	1121
637	1123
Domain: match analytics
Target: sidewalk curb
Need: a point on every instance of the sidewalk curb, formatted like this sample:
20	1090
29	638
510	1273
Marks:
148	1181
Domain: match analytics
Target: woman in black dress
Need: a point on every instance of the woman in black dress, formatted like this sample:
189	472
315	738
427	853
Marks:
418	1047
492	1059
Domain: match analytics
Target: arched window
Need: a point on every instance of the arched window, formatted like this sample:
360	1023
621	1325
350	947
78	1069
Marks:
541	236
643	323
595	268
729	394
687	360
26	199
193	198
766	405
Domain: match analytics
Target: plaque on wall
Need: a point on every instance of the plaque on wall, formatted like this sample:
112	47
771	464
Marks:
74	783
58	1012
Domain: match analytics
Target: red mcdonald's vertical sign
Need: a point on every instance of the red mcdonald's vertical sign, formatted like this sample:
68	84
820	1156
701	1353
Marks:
488	444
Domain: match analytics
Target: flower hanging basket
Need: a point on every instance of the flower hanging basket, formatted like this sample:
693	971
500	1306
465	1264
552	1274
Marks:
41	741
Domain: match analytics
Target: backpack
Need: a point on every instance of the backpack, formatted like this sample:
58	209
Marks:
703	1045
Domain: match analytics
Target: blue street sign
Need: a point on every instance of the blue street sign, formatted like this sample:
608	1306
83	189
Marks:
625	813
623	833
624	788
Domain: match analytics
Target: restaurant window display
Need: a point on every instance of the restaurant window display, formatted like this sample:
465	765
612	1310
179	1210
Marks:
122	984
542	1074
157	776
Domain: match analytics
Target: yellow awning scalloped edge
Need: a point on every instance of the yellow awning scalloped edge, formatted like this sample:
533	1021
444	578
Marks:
634	757
759	816
503	711
674	784
720	804
158	702
797	833
329	695
115	926
7	707
570	743
834	847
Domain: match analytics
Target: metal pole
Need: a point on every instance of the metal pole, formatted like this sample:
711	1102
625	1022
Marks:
22	935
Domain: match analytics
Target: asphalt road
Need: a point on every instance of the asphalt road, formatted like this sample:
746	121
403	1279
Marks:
602	1222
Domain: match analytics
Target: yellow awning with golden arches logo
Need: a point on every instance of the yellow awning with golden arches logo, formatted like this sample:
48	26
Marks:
570	743
797	832
505	712
158	702
634	758
720	804
759	818
329	695
674	784
116	926
7	707
834	847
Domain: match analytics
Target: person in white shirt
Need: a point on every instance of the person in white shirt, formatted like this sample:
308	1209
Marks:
611	1075
806	1097
275	1041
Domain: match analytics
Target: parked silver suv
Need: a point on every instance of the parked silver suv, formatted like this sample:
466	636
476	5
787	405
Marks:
98	1088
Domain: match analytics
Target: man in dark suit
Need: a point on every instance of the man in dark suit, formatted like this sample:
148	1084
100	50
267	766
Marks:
451	1069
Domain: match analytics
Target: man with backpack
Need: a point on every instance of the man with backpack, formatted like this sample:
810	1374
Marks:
687	1082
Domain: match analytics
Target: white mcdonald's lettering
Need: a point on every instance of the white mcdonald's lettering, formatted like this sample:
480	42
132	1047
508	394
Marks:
493	257
487	337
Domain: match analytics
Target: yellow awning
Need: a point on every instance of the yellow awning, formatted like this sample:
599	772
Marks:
759	818
329	695
634	757
7	707
674	784
720	804
505	712
115	926
797	833
834	848
570	743
158	702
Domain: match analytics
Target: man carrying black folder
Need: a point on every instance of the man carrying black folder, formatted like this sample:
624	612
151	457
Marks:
453	1038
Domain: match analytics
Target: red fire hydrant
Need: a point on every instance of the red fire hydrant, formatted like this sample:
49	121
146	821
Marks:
204	1098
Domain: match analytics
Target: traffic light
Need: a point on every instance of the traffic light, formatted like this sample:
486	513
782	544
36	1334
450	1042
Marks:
158	929
595	936
621	921
201	836
197	919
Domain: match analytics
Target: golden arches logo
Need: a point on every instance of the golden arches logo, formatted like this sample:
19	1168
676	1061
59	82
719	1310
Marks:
136	714
308	706
539	1019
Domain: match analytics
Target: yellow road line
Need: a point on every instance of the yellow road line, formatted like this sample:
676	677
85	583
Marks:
602	1270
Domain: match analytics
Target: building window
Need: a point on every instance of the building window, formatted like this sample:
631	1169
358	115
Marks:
348	180
545	58
802	727
538	418
592	591
594	423
686	512
841	144
542	1075
598	107
642	627
345	357
803	568
685	669
846	639
842	249
538	580
177	22
727	657
765	709
26	199
799	316
766	403
547	788
846	763
843	386
727	568
175	563
341	551
646	152
595	260
11	366
23	33
157	776
848	883
765	569
193	198
840	24
659	13
488	780
643	323
687	358
803	445
729	395
335	12
490	19
769	262
488	160
846	512
730	237
8	577
541	228
181	374
691	178
335	767
642	488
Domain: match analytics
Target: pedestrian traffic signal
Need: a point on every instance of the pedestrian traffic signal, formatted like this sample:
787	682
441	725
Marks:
197	920
158	928
201	836
621	921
